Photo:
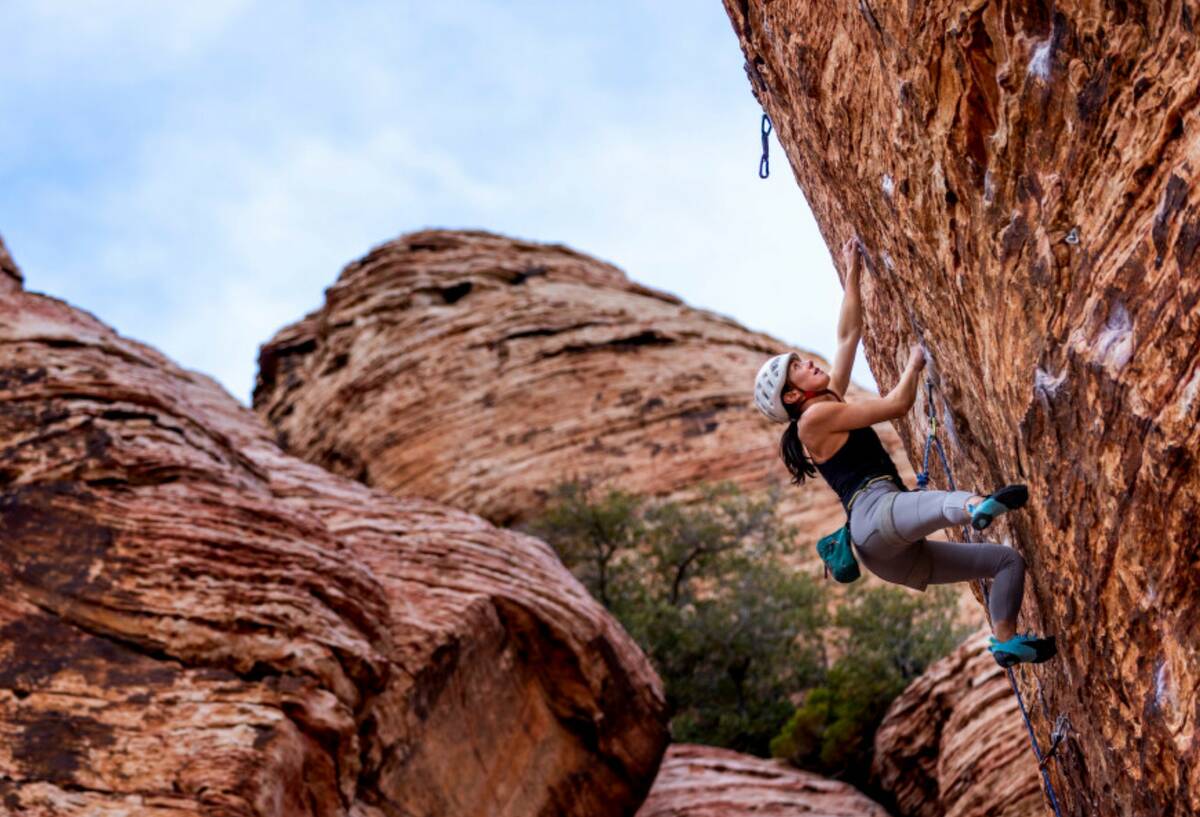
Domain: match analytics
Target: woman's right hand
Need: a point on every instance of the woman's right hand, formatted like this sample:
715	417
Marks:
916	358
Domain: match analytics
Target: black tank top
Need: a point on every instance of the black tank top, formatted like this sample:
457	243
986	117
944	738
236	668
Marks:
859	459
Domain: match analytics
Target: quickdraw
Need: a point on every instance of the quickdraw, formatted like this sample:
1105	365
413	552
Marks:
764	164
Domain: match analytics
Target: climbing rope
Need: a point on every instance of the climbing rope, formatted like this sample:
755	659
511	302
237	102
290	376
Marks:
1061	725
930	441
764	164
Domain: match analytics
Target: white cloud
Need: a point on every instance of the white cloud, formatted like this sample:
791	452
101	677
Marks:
120	37
246	151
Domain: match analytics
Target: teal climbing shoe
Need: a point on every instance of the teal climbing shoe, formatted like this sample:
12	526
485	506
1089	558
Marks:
1008	498
1023	648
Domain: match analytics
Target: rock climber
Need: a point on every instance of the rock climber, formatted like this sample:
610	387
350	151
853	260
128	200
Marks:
887	523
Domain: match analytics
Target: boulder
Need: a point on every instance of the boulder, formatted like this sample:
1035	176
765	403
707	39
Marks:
1023	178
703	781
953	743
480	371
194	622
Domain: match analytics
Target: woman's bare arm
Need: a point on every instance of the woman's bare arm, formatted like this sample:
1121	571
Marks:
825	418
850	320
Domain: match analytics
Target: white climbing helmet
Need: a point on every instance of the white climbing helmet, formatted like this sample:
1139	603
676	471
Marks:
769	385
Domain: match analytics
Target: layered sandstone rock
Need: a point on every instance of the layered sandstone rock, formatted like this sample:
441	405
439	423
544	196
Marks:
954	745
193	622
7	265
1023	178
703	781
480	371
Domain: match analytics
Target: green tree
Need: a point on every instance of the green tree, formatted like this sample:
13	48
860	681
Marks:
701	588
595	536
887	637
736	635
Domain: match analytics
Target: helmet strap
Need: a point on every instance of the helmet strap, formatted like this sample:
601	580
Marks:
809	395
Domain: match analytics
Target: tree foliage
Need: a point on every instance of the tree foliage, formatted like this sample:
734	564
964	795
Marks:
700	587
887	637
735	634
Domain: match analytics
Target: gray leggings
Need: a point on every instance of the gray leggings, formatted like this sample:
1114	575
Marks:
889	527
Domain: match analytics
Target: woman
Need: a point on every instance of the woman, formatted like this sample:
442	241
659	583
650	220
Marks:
888	525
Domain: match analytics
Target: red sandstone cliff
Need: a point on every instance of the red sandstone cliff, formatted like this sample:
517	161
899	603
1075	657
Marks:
480	370
193	622
1023	176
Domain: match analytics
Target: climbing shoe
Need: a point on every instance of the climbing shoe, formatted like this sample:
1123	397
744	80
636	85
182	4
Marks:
1022	649
1008	498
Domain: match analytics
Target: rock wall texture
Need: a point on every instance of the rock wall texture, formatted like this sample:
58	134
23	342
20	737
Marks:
1023	178
193	622
703	781
480	370
954	745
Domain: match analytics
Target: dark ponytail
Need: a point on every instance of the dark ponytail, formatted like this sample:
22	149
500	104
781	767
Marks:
791	449
793	453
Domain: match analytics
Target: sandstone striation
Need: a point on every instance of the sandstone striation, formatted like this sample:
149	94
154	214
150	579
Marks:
8	267
954	745
1023	176
703	781
480	370
193	622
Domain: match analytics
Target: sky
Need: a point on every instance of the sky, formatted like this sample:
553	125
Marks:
195	174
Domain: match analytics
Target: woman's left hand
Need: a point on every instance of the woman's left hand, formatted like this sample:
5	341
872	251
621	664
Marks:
851	257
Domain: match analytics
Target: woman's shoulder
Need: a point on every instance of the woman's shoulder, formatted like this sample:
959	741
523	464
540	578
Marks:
816	414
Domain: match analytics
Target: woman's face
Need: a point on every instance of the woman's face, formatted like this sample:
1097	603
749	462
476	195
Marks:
803	375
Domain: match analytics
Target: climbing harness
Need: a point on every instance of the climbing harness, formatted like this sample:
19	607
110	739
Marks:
834	549
1061	725
764	164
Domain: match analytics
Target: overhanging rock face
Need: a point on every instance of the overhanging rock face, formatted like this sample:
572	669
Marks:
193	622
1023	177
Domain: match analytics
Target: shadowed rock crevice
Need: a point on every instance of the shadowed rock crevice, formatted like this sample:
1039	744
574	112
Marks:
644	338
